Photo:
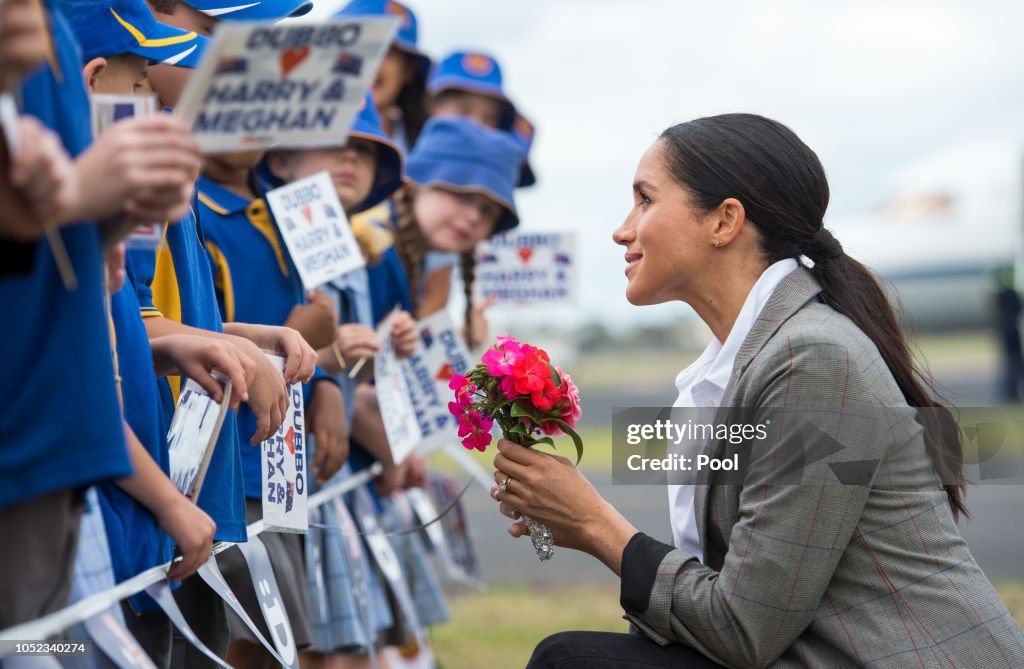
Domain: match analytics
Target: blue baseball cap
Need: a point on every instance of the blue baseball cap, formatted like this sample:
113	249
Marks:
459	155
243	10
113	27
407	37
472	72
523	133
388	177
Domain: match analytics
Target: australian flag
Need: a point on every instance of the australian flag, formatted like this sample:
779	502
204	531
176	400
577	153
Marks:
563	259
329	211
487	257
427	337
348	63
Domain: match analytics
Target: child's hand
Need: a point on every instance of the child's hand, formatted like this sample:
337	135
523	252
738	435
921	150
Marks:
23	38
481	329
356	341
144	166
41	174
300	358
414	470
404	334
326	413
316	320
196	357
114	259
268	395
192	532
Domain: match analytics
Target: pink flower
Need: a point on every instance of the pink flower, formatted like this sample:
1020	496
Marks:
499	359
476	428
572	407
463	392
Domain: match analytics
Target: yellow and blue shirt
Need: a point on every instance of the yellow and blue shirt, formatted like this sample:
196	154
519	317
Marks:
61	424
255	283
136	541
389	282
175	282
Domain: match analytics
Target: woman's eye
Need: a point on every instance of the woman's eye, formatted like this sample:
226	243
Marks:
644	200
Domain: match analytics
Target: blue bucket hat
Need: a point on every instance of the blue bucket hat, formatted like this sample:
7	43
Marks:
407	37
388	177
523	133
459	155
251	10
114	27
472	72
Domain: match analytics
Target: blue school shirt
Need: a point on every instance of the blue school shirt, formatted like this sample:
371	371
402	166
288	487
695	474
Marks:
61	424
175	282
255	283
136	542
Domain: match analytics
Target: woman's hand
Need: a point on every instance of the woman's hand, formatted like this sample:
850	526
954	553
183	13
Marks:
550	490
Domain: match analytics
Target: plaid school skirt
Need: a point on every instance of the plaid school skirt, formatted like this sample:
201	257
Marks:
349	607
420	574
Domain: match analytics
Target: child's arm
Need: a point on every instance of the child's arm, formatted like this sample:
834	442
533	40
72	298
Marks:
186	524
368	430
326	413
268	397
196	356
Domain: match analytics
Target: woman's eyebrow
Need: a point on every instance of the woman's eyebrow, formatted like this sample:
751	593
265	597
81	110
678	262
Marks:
643	185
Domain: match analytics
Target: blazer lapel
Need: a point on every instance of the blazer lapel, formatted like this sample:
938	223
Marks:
797	289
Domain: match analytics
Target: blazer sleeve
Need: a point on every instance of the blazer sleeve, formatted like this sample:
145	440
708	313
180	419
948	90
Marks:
795	517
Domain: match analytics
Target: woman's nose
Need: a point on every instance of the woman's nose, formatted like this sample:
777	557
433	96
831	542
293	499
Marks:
624	234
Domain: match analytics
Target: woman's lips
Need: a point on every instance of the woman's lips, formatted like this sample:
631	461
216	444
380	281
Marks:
632	260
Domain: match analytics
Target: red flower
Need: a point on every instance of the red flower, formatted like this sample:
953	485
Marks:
547	397
528	375
476	428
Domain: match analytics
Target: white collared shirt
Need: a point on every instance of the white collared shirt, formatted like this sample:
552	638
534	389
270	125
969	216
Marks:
703	383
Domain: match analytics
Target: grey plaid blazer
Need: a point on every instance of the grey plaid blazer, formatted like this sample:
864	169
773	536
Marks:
819	574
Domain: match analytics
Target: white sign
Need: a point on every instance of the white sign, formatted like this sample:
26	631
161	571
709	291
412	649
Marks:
315	229
440	353
285	85
193	435
108	109
396	408
284	467
528	268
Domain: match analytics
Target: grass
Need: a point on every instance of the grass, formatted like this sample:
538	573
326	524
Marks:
499	628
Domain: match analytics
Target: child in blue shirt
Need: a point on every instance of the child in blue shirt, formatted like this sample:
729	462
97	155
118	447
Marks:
63	432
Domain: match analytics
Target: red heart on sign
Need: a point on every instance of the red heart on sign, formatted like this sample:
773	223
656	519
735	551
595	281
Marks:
307	212
445	373
290	59
289	439
525	253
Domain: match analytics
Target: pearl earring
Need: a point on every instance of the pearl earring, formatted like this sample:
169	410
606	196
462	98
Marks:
717	243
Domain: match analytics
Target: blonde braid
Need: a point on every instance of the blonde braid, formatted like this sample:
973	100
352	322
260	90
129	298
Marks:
410	244
468	275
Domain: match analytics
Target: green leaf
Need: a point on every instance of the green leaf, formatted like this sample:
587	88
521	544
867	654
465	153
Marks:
519	411
576	440
519	428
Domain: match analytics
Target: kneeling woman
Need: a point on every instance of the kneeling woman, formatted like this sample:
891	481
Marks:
851	558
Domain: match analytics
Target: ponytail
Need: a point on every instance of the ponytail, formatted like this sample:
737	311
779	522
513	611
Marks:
410	244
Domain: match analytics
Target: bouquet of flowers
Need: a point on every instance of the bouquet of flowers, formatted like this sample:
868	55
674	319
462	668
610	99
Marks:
516	386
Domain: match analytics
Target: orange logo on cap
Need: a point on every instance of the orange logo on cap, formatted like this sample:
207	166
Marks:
477	64
397	9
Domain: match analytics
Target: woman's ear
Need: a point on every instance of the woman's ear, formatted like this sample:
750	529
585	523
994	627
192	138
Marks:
92	71
729	218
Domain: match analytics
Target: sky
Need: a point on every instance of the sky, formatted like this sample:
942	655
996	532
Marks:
872	87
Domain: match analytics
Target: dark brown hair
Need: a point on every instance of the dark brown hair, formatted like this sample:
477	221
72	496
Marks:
784	192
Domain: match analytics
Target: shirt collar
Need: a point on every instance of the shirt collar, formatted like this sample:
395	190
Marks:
220	199
715	364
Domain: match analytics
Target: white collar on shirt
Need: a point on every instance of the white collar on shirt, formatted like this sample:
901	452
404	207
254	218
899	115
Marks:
703	383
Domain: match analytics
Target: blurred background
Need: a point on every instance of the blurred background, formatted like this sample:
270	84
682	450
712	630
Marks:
916	109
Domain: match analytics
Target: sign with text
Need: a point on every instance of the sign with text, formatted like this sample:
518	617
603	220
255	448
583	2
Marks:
195	428
315	230
400	423
528	267
284	467
108	109
289	84
439	354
